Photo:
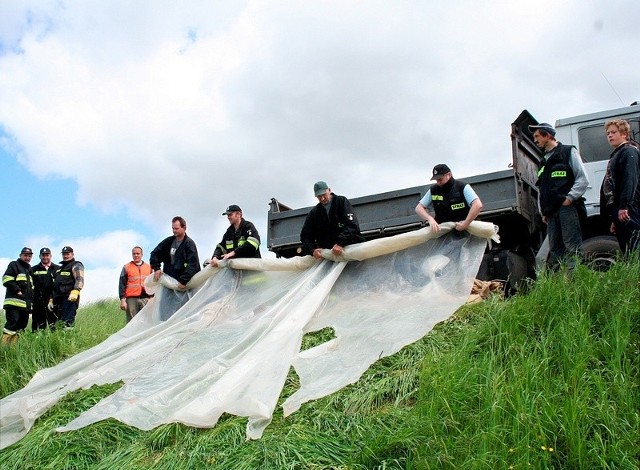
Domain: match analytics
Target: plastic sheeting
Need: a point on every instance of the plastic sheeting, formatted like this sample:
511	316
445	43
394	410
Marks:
227	343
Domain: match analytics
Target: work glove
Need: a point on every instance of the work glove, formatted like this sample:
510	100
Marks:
73	295
50	305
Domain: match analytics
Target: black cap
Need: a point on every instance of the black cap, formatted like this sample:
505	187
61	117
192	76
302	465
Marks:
543	126
232	208
26	251
67	249
439	171
45	251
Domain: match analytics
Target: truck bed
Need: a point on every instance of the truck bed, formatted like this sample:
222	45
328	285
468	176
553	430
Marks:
508	196
392	212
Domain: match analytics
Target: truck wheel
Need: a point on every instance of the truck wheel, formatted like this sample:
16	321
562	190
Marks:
518	273
600	253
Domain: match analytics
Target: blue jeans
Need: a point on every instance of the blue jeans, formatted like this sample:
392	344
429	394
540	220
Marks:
565	237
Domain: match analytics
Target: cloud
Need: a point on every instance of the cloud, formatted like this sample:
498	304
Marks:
97	281
184	109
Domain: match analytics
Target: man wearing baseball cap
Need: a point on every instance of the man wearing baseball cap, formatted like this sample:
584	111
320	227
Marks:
42	275
450	200
241	240
562	180
331	224
19	296
67	284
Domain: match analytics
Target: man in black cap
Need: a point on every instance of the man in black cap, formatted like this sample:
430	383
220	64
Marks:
451	200
562	180
331	224
177	254
241	240
42	275
67	284
19	296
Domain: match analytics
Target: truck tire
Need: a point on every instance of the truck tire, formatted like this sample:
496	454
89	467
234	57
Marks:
518	273
600	253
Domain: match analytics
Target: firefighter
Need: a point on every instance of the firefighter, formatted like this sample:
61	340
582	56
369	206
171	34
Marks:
67	284
19	297
241	240
42	275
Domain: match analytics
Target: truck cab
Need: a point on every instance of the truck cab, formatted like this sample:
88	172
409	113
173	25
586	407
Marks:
587	133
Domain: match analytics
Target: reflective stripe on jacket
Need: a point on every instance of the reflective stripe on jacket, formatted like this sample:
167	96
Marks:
19	285
43	281
65	280
245	241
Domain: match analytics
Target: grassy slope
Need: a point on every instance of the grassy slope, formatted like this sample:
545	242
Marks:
546	380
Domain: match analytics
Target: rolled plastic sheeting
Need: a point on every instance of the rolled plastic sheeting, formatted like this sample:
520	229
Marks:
227	342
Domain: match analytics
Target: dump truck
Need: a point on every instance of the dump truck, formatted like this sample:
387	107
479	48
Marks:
509	198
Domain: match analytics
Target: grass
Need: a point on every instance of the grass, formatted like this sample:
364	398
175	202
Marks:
545	380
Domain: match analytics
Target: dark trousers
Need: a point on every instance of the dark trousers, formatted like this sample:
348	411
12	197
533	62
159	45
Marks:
66	310
565	237
41	317
628	234
17	319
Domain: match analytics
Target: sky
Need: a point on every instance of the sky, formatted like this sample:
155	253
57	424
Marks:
116	116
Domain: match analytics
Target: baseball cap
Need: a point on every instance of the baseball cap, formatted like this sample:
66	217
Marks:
439	171
319	188
543	126
232	208
45	251
67	249
26	251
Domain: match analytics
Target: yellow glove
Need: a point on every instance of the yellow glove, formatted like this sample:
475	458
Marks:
73	295
50	305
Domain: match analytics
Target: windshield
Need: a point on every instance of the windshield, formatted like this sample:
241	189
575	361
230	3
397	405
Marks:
593	144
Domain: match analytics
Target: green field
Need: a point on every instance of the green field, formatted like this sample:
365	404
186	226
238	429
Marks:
550	379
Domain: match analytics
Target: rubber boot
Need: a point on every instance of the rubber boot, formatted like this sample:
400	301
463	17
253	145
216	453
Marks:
8	339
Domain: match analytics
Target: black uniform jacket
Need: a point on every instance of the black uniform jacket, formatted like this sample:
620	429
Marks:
185	260
18	279
245	241
339	226
43	281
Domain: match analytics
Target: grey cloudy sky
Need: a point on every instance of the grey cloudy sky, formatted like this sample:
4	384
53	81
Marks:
157	108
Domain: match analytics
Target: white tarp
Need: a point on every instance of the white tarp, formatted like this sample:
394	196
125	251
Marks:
238	329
